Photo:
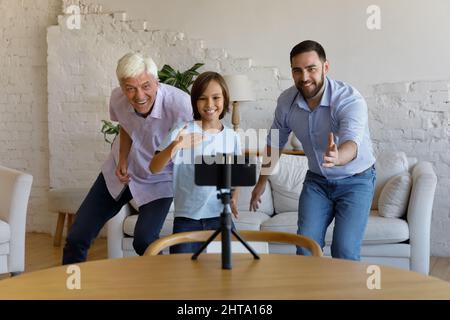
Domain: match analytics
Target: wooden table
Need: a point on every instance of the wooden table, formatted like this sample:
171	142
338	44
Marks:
177	277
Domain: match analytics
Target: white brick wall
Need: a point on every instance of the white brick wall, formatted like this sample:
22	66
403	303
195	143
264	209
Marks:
23	97
414	117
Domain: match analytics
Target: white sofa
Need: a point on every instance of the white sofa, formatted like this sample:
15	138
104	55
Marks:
15	187
399	242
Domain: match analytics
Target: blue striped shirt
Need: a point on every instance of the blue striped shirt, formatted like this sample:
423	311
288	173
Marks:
342	110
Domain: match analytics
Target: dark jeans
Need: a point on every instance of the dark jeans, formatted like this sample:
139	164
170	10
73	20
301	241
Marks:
182	224
98	207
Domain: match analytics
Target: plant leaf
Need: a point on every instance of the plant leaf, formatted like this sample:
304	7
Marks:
109	128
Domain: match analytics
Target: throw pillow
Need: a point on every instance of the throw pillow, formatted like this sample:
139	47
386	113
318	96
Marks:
287	182
388	164
394	197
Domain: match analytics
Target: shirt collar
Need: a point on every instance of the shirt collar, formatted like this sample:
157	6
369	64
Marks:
324	101
157	106
326	97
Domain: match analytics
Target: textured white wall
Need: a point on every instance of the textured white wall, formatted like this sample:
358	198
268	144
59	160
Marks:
23	97
412	43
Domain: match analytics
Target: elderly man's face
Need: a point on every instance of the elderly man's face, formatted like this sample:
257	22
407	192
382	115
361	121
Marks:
141	92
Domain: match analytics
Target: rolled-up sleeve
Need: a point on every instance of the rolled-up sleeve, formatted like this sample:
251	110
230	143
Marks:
352	117
279	131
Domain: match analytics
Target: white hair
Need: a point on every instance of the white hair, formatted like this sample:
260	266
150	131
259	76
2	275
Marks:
133	64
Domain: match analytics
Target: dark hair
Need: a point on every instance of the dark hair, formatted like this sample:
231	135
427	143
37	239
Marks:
199	86
307	46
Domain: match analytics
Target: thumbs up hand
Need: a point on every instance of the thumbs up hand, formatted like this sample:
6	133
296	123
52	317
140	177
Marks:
331	156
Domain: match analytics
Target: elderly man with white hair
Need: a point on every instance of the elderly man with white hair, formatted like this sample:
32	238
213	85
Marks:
146	110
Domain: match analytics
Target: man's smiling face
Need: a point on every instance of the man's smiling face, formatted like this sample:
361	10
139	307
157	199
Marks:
141	92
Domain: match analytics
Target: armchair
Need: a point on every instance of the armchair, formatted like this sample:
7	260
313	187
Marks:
15	188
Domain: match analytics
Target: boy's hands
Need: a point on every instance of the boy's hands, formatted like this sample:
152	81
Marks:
186	140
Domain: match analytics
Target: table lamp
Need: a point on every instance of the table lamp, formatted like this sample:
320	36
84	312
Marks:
240	90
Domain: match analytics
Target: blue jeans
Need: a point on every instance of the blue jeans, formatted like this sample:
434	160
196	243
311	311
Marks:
182	224
346	200
98	207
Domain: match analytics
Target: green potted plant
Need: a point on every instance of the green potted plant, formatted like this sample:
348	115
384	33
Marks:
167	75
181	80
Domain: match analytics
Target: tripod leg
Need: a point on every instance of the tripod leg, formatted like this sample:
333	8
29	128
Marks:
250	249
203	247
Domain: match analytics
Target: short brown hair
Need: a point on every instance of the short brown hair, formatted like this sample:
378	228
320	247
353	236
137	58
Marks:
307	46
199	86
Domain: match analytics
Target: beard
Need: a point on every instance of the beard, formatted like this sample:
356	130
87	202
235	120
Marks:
311	93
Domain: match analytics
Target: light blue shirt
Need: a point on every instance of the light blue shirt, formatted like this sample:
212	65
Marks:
171	106
192	201
342	110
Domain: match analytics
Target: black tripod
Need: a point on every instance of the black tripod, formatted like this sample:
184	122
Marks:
225	222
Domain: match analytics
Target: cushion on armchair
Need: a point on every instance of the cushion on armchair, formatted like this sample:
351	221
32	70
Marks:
287	182
388	164
394	197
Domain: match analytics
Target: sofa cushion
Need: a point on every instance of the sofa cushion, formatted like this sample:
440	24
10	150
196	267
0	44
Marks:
388	164
5	232
135	205
249	220
287	182
379	229
285	222
266	205
128	225
394	197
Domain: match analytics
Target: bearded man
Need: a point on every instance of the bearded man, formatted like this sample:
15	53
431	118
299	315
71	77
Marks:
330	119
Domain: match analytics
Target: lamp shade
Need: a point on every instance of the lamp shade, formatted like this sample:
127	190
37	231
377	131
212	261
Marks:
240	87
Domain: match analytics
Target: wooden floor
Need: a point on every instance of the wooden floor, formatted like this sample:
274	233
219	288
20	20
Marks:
440	268
41	254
